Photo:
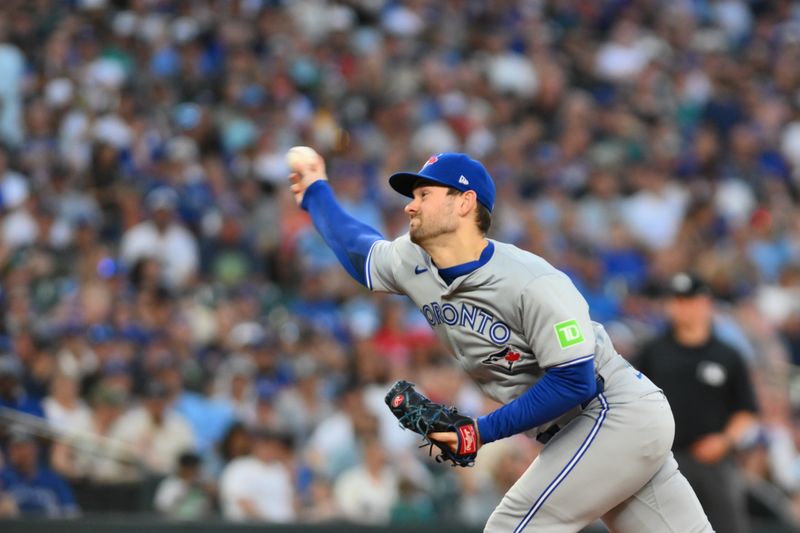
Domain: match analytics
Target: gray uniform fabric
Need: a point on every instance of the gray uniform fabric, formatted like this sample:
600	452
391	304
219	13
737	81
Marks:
505	323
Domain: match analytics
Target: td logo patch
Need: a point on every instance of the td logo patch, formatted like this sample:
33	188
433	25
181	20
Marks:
568	333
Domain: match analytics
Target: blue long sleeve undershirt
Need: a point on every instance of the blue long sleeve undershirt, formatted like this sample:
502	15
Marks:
559	390
350	239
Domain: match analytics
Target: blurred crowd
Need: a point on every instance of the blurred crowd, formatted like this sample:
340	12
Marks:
170	315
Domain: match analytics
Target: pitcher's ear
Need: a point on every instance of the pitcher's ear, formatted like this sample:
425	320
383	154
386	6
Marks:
467	202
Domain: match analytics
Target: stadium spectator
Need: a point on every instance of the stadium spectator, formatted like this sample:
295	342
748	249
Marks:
254	343
184	494
88	452
260	487
208	417
234	444
414	505
333	446
367	493
35	488
163	238
73	354
321	506
12	394
235	386
305	406
158	434
64	408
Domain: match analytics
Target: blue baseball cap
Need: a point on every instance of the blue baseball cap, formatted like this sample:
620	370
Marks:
458	171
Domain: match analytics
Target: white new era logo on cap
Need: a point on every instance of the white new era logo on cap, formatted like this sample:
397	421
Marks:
463	181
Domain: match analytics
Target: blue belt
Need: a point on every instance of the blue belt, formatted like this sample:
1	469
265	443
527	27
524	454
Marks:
551	431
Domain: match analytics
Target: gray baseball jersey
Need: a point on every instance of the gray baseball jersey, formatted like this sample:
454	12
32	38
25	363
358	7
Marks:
506	323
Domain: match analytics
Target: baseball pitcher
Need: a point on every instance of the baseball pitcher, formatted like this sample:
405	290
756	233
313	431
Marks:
522	331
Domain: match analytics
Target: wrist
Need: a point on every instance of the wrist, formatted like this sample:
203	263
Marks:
310	191
484	430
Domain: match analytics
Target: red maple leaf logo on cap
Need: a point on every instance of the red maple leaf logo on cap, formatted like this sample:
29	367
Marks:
431	160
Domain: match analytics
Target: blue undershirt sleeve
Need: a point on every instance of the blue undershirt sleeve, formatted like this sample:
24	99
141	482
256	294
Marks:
559	390
349	238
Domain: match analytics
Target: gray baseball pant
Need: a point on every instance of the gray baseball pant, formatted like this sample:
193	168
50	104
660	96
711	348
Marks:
613	462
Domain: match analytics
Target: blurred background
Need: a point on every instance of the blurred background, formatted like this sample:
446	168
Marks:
178	342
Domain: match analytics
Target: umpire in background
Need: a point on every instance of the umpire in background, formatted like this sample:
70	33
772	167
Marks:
707	384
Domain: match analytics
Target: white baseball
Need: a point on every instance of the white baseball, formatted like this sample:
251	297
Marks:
301	156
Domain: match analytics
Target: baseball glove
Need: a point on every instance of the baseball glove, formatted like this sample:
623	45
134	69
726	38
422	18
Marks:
420	415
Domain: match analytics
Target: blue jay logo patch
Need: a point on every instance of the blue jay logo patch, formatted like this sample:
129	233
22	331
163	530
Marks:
504	360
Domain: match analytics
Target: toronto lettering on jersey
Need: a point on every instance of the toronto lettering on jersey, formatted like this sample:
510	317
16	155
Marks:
467	316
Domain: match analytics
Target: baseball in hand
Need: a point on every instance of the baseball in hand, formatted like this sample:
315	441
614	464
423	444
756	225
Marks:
301	157
307	166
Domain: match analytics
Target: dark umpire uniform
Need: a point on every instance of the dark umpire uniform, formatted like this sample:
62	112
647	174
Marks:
708	386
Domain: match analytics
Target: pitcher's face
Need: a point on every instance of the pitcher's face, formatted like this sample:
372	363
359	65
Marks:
431	213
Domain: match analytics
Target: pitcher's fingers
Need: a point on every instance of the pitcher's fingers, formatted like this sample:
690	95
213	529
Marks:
447	438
